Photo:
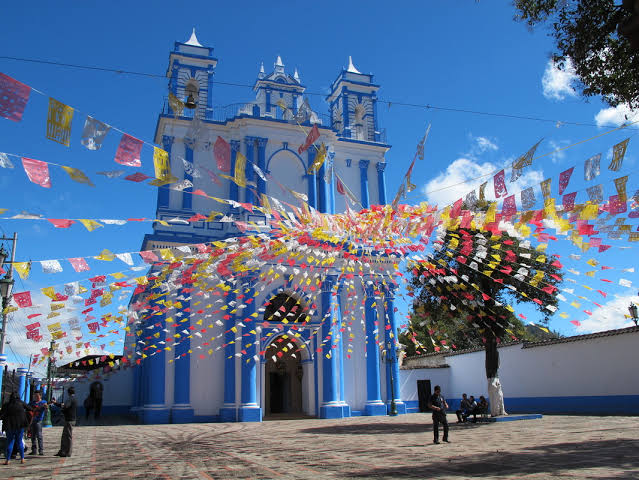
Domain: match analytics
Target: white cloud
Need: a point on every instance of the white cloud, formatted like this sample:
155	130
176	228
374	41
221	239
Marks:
616	116
556	83
557	157
483	144
609	317
465	174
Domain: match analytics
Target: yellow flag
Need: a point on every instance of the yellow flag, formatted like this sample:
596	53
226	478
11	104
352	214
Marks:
620	185
54	326
163	175
240	171
59	122
118	275
78	176
105	255
320	156
176	105
23	269
49	292
90	224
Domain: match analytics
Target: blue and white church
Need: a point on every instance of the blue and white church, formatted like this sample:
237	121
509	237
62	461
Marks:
351	376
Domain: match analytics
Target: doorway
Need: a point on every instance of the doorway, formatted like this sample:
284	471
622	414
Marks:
423	394
283	379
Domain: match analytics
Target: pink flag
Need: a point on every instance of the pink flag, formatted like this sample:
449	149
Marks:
37	171
500	184
576	323
79	264
510	207
456	210
13	98
136	177
129	151
23	299
149	257
222	152
61	222
564	178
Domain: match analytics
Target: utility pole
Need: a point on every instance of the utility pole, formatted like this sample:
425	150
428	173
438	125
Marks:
47	415
6	288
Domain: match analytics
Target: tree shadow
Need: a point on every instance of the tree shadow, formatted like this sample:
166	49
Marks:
615	456
383	428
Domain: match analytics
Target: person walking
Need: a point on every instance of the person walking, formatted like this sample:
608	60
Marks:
437	403
96	390
14	421
69	411
39	408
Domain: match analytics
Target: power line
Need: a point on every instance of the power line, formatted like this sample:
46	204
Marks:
390	103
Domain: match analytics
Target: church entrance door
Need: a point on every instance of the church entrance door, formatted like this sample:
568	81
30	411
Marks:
283	380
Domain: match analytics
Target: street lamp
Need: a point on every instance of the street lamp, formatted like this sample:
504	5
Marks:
390	358
633	313
3	255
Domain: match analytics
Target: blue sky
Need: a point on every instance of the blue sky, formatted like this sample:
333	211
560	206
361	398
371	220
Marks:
459	55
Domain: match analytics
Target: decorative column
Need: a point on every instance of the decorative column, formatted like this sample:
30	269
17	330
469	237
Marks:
392	364
381	182
363	178
331	407
228	412
155	409
312	178
187	193
261	163
374	404
182	411
27	392
209	96
323	190
234	193
249	142
22	382
249	410
346	409
345	110
330	162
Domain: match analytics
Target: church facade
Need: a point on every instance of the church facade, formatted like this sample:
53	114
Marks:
349	375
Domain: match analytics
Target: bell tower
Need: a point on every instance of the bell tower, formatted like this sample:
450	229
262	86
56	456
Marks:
191	69
353	105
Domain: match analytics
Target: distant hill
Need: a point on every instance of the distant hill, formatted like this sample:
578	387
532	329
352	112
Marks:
534	333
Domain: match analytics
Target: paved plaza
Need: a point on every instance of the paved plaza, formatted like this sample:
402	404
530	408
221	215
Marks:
353	448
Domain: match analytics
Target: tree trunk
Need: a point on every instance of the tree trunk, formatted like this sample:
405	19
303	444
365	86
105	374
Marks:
495	394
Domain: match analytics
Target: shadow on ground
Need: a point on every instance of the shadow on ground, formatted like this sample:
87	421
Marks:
618	456
382	428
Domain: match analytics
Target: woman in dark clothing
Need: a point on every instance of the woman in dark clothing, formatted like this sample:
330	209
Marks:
14	421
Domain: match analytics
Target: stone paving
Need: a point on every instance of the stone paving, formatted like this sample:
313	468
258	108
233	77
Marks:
354	448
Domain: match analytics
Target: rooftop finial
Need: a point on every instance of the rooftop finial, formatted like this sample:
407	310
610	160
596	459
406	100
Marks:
193	40
351	68
296	76
278	62
262	67
261	74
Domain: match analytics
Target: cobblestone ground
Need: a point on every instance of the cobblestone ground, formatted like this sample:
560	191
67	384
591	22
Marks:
354	448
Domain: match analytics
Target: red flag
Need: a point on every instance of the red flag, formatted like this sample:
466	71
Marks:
313	135
128	152
61	222
510	207
13	98
340	187
23	299
148	256
79	264
136	177
37	171
222	152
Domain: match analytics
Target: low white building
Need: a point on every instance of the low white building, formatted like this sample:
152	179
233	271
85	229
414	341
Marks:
585	374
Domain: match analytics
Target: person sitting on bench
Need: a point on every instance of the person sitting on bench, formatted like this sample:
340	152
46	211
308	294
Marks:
481	408
472	407
464	409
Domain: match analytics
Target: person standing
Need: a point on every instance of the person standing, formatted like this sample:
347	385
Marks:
437	403
39	408
14	421
68	410
96	397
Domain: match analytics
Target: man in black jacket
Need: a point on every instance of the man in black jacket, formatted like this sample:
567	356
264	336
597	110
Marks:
68	410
